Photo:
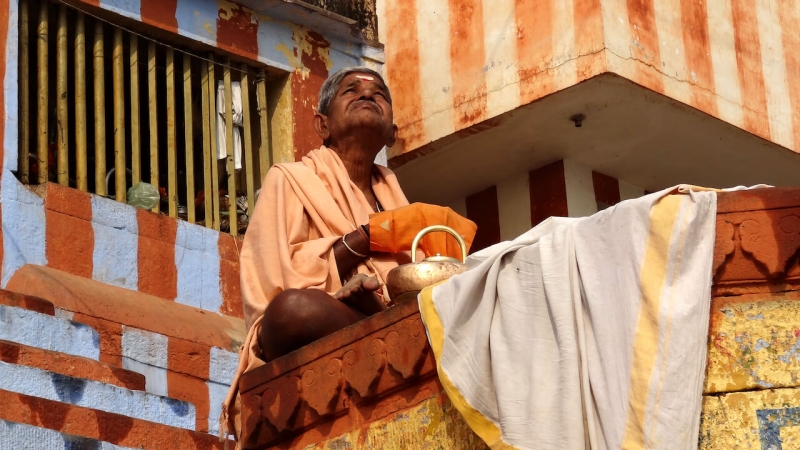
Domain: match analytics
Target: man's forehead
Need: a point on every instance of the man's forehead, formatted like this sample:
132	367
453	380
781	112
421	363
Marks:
357	77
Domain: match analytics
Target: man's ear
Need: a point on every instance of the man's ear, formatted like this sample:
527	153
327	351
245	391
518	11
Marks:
393	137
321	126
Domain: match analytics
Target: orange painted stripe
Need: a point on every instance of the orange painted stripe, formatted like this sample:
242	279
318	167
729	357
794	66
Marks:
589	39
230	288
110	337
697	50
158	274
748	60
467	61
606	188
305	93
790	24
402	73
644	46
548	191
187	358
482	209
69	236
237	30
534	20
160	13
29	302
73	366
113	428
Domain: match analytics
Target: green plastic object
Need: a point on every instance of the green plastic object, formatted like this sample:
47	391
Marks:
143	195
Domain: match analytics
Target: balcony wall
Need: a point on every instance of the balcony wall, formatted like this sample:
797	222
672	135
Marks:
454	64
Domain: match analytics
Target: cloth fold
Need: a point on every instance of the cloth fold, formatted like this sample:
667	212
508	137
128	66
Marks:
583	333
394	231
303	209
222	141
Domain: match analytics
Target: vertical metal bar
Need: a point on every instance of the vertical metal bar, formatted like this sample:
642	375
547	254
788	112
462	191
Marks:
172	175
212	91
264	154
119	117
80	105
62	112
188	136
234	228
136	156
99	112
152	103
25	90
248	141
42	137
207	160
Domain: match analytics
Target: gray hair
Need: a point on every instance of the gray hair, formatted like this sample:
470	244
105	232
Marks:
331	85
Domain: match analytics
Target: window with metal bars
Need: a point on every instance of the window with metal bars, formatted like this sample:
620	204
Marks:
103	109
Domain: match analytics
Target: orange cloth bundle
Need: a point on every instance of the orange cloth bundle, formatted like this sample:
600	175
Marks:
394	231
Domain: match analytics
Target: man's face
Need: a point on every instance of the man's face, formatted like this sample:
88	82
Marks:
361	105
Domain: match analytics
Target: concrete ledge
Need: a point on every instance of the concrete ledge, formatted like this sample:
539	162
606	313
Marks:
28	302
127	307
73	366
17	435
356	371
95	395
103	426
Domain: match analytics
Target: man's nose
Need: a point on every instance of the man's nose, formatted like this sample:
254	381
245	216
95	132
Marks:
367	93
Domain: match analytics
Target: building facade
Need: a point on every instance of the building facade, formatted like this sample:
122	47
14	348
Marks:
122	325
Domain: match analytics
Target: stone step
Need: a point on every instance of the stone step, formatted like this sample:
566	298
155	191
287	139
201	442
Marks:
99	301
58	334
98	425
96	395
73	366
183	352
28	302
21	436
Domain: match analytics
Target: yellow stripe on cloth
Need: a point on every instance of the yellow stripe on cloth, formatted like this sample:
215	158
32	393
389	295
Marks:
479	423
663	216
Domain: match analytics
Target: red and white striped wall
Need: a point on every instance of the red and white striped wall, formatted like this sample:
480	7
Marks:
456	63
117	244
563	188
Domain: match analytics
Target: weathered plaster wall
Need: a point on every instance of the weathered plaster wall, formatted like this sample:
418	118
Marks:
307	55
455	63
110	242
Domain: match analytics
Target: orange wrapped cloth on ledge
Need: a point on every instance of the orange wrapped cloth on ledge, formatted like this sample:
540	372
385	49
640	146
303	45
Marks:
394	231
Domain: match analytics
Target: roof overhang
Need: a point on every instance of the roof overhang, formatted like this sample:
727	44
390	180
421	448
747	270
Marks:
629	132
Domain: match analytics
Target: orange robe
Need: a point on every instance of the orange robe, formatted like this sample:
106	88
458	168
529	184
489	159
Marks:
303	209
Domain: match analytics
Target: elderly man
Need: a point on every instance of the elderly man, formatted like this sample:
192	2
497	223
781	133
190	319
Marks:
306	265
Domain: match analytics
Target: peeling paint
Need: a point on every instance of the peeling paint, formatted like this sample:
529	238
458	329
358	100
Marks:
289	54
432	425
758	420
753	343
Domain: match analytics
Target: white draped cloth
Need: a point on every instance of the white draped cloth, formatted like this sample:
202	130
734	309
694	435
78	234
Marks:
583	333
237	116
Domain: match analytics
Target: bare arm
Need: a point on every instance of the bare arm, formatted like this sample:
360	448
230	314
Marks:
346	260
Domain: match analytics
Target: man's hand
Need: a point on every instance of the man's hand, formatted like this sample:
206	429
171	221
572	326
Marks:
359	293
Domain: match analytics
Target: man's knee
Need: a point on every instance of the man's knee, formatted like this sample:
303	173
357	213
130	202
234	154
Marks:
295	306
297	317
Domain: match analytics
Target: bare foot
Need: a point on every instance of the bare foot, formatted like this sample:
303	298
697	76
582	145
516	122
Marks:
359	293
